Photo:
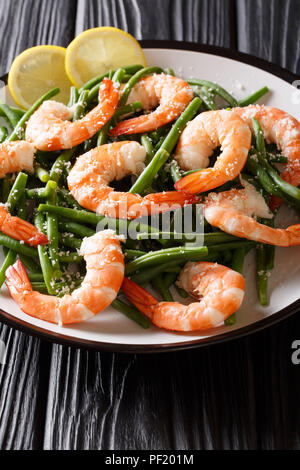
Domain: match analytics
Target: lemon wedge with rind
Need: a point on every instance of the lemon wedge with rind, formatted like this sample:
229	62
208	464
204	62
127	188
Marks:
35	71
97	50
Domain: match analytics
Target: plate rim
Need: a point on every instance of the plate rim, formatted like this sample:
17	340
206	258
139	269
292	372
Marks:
66	340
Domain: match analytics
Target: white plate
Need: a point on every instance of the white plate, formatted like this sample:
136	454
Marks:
110	329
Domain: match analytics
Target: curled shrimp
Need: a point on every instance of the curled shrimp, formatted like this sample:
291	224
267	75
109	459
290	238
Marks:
282	129
232	211
218	289
104	276
14	157
197	143
170	94
89	180
49	127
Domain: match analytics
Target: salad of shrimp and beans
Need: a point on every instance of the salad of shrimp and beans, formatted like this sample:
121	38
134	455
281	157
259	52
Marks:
132	145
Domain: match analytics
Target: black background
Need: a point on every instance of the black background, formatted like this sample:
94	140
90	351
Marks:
240	395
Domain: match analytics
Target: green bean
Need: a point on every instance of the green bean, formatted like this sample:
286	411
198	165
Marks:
132	254
180	254
237	264
206	97
45	262
10	258
12	117
68	198
16	191
18	131
36	277
80	105
75	228
6	186
134	79
3	134
41	193
118	76
216	88
131	312
181	292
147	144
128	109
70	258
60	163
163	154
210	238
15	195
147	275
230	246
169	71
74	95
261	274
42	174
102	134
17	112
276	158
69	241
130	69
285	187
92	218
52	234
254	97
30	264
170	277
175	171
16	246
159	286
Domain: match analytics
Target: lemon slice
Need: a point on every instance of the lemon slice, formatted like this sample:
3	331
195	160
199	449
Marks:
98	50
35	71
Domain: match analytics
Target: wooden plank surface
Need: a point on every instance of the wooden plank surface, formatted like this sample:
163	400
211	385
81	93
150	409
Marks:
238	395
270	29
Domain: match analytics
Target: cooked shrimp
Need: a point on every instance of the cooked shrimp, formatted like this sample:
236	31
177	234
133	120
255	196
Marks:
232	211
49	127
16	156
282	129
171	94
197	143
89	180
19	229
218	289
104	276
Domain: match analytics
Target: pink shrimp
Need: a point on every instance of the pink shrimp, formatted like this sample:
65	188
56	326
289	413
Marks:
49	127
89	180
14	157
232	211
218	289
282	129
104	276
197	142
171	94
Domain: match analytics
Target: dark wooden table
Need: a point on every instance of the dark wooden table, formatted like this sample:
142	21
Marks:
240	395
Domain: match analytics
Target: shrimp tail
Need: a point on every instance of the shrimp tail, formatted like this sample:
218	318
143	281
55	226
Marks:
17	280
21	230
191	183
131	126
168	201
140	298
